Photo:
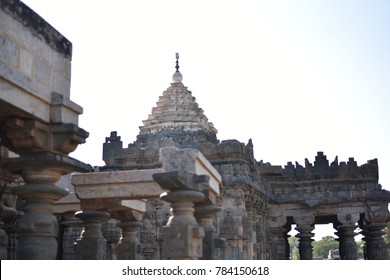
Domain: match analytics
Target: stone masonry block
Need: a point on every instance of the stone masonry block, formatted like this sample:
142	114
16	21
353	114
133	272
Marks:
25	62
42	71
191	161
8	51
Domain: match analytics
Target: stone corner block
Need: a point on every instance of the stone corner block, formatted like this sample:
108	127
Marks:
191	161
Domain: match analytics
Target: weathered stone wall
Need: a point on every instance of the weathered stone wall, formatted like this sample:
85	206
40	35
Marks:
38	122
35	66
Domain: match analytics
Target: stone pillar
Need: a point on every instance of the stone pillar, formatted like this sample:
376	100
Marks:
72	231
129	246
182	236
278	242
376	217
346	234
3	242
204	215
42	150
91	245
8	216
38	226
5	213
112	234
376	248
305	227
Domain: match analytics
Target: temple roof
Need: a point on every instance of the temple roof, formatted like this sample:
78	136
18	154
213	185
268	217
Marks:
177	109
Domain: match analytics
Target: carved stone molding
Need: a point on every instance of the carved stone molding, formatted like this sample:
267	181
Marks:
30	136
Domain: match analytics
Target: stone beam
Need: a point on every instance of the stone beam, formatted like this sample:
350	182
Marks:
123	185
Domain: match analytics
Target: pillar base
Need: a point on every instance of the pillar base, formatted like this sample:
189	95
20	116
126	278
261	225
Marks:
183	242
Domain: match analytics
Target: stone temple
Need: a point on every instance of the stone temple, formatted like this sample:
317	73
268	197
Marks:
176	192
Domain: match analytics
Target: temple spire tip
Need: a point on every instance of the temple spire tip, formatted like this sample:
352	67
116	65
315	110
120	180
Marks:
177	77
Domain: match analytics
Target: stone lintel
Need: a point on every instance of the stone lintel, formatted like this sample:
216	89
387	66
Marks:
191	161
124	185
113	205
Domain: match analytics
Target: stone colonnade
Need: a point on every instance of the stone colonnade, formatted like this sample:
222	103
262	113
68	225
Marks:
345	225
187	181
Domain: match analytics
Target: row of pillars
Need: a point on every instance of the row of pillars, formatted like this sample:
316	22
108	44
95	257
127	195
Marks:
43	158
189	233
375	249
182	240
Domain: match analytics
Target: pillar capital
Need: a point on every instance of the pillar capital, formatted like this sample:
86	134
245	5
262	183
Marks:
348	218
43	167
30	136
304	220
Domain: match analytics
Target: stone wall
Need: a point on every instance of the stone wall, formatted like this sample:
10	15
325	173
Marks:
35	66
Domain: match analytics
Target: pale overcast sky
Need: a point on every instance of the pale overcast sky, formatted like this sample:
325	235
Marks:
295	76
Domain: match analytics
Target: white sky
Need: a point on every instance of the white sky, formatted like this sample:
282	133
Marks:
295	76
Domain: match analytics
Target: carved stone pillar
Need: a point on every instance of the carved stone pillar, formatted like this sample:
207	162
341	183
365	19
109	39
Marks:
305	227
91	245
6	213
112	234
38	227
278	242
375	221
346	234
129	246
3	242
42	150
377	249
3	234
72	231
204	215
182	236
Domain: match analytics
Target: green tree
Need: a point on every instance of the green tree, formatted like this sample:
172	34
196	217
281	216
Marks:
294	251
321	248
360	248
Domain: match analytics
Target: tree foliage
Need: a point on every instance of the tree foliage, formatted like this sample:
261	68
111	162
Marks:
360	248
294	251
321	248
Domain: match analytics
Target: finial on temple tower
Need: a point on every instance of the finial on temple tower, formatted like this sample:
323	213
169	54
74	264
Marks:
177	62
177	77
